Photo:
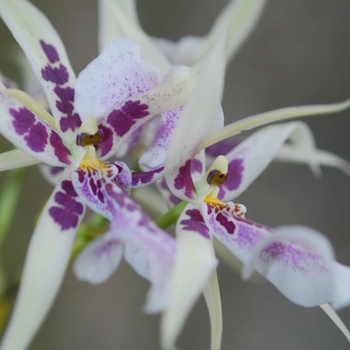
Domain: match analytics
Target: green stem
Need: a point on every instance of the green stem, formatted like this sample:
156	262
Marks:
171	216
8	199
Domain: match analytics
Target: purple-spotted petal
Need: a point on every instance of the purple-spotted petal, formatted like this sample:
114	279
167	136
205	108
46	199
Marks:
155	155
99	259
129	114
46	261
91	178
116	74
148	249
251	157
299	261
47	57
199	119
141	179
32	134
194	263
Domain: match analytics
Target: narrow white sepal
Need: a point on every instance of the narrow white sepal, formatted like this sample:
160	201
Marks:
194	263
336	319
16	159
273	116
45	264
212	297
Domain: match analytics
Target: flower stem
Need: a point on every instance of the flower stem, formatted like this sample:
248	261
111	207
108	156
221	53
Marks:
171	216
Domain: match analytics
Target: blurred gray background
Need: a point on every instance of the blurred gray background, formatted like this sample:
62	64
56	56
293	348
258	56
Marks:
298	54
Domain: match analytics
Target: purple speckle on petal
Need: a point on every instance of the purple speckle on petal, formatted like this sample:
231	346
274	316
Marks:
124	118
61	151
195	223
296	257
68	212
58	76
184	179
50	51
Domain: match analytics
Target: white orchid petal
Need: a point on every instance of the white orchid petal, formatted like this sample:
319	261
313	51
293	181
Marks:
29	81
116	74
199	119
46	261
148	249
273	116
48	59
194	263
118	19
98	260
212	297
250	158
16	159
341	288
127	116
314	278
298	260
34	135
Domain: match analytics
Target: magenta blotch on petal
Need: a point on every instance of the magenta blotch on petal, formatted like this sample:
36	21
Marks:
61	151
66	95
146	178
195	223
106	144
37	137
124	118
24	123
234	177
58	76
24	119
184	180
68	211
50	51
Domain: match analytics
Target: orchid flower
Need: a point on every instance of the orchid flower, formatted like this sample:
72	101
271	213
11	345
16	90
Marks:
297	260
91	118
118	19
